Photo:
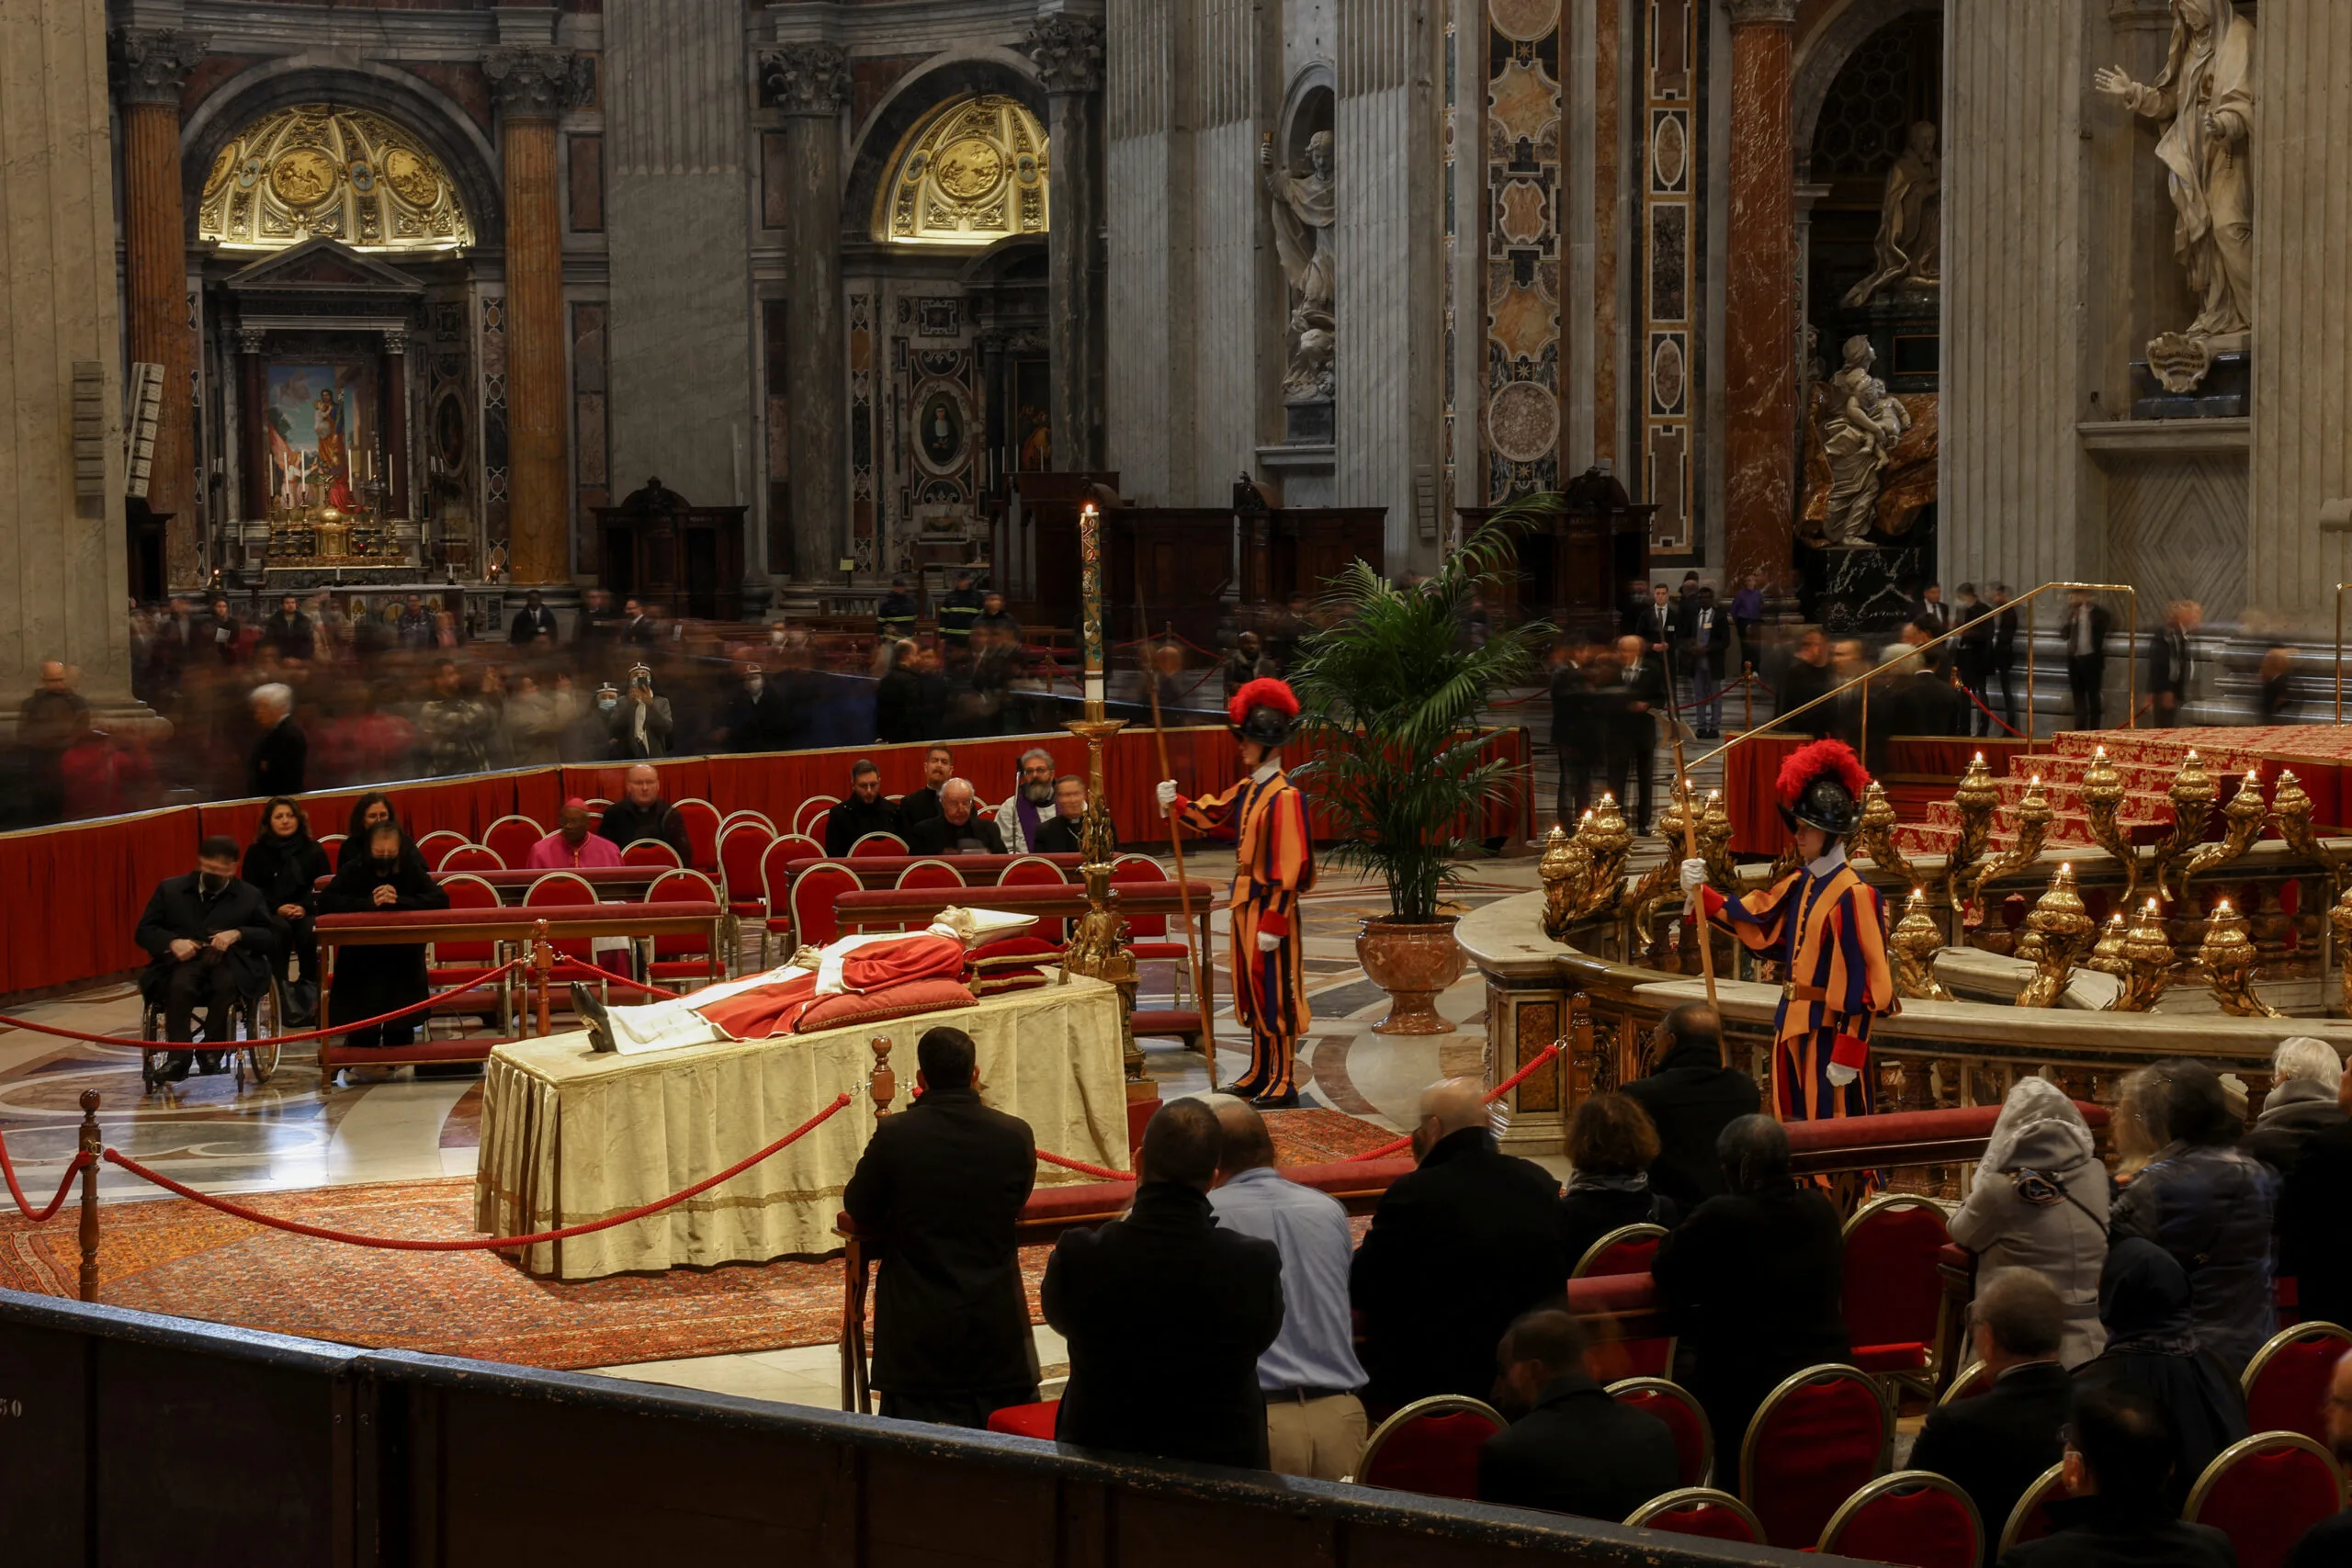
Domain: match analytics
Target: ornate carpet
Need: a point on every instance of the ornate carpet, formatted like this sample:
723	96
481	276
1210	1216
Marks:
176	1257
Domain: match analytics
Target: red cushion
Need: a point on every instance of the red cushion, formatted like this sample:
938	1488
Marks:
891	1001
1682	1418
1010	964
1893	1292
1342	1179
1812	1451
1925	1528
1077	1202
2268	1500
2290	1394
1910	1357
1027	1420
1436	1456
1908	1126
1165	1023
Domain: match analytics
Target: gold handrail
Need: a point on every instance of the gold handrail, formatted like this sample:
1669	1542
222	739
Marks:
2130	677
2339	650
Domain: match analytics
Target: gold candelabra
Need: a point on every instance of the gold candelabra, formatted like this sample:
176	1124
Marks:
2229	952
1567	873
2339	920
1976	800
1875	831
2107	958
1097	945
2103	795
1714	842
2148	962
1609	840
1917	940
2242	820
2056	933
2192	794
2034	816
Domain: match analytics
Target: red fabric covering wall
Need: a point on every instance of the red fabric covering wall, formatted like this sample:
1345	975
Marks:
87	882
1750	769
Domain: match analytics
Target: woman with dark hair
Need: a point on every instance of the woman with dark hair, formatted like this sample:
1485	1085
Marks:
366	811
2206	1202
2144	1303
286	864
373	980
1610	1147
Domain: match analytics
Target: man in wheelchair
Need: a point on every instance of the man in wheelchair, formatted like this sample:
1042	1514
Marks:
210	937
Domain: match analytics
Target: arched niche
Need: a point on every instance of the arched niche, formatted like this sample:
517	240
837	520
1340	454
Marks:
912	103
1826	55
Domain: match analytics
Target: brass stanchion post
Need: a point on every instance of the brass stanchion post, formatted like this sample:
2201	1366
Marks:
92	1146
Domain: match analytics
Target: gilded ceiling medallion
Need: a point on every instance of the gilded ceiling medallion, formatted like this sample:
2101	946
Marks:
974	171
319	169
970	169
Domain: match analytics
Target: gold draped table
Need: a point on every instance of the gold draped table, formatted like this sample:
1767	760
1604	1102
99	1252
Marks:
570	1135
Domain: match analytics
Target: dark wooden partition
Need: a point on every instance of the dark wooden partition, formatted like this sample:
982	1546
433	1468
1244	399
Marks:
127	1438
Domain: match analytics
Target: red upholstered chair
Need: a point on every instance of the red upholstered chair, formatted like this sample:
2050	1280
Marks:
870	846
1148	935
929	874
1699	1511
511	839
472	857
736	819
565	890
2264	1492
802	846
460	965
2029	1521
808	817
684	956
1694	1441
814	922
1429	1447
1030	871
1027	1420
1626	1250
775	887
1894	1297
2286	1383
702	821
1915	1518
332	844
437	845
1814	1442
658	853
740	845
1975	1380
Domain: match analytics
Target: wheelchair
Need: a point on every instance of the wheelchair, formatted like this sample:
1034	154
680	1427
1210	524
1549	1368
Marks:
254	1018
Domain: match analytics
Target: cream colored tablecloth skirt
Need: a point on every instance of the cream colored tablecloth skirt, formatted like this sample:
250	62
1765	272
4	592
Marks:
570	1135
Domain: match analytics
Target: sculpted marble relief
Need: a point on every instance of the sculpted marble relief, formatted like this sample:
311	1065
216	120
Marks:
2205	100
1303	226
1861	428
1910	224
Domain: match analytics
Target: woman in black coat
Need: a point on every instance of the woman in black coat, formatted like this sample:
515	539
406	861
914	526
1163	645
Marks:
286	864
370	981
1611	1148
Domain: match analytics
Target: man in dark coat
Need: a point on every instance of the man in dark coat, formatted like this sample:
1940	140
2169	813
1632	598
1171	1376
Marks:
280	759
2086	629
378	979
938	1191
2314	1223
1570	1448
1753	1281
2117	1512
1691	1097
208	938
1575	732
1456	1251
1166	1314
2172	662
938	767
1805	679
1996	1445
1634	704
289	631
1063	832
532	622
757	717
863	812
641	813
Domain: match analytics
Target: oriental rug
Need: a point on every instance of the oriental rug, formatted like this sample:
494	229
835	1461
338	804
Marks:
176	1257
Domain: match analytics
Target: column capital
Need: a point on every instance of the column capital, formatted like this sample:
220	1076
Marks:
535	83
805	78
1761	13
1067	51
396	342
250	339
150	64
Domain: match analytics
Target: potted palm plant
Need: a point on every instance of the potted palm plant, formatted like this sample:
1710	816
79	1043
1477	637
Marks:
1390	693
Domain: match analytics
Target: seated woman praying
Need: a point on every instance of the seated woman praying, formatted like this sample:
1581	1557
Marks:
761	1005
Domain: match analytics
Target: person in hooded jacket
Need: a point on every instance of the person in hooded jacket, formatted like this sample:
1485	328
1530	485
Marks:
2040	1202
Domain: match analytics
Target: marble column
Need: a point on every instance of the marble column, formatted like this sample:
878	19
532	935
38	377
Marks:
63	571
1068	49
150	66
810	83
535	84
1759	351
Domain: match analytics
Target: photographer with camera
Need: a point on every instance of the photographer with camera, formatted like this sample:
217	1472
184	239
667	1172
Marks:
641	721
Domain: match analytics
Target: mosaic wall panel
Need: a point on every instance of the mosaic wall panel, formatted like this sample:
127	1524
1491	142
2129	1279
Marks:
1519	411
591	429
493	418
863	437
1669	245
451	422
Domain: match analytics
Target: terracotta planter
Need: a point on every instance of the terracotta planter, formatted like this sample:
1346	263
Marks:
1412	964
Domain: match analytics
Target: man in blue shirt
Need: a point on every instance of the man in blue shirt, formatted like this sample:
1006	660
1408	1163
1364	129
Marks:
1315	1422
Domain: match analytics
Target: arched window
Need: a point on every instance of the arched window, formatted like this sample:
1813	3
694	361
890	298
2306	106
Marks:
972	171
318	170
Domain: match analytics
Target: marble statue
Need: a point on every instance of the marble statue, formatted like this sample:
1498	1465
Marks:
1910	223
1858	433
2204	99
1302	228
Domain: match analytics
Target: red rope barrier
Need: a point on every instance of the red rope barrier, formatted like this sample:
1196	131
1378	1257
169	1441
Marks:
473	1243
12	1022
1399	1145
43	1215
633	984
1084	1168
1988	713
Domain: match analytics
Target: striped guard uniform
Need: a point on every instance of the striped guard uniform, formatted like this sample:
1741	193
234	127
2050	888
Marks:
1273	863
1827	929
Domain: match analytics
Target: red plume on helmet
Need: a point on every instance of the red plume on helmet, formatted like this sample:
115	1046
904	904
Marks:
1809	762
1263	693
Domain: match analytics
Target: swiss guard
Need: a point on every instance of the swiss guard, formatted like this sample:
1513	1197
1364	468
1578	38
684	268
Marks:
1827	929
1273	862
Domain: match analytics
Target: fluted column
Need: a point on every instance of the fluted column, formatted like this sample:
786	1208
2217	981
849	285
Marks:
810	83
535	86
1760	359
150	66
1068	50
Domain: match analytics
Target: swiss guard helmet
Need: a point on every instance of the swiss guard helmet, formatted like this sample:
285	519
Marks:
1821	786
1264	710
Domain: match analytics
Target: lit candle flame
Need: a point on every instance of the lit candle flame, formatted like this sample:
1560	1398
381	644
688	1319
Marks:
2100	753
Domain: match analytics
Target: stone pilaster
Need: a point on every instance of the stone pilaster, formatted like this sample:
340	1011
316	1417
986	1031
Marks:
1759	405
810	83
534	86
150	66
1068	49
63	573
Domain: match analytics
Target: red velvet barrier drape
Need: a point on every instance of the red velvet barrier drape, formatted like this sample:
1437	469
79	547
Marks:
78	891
